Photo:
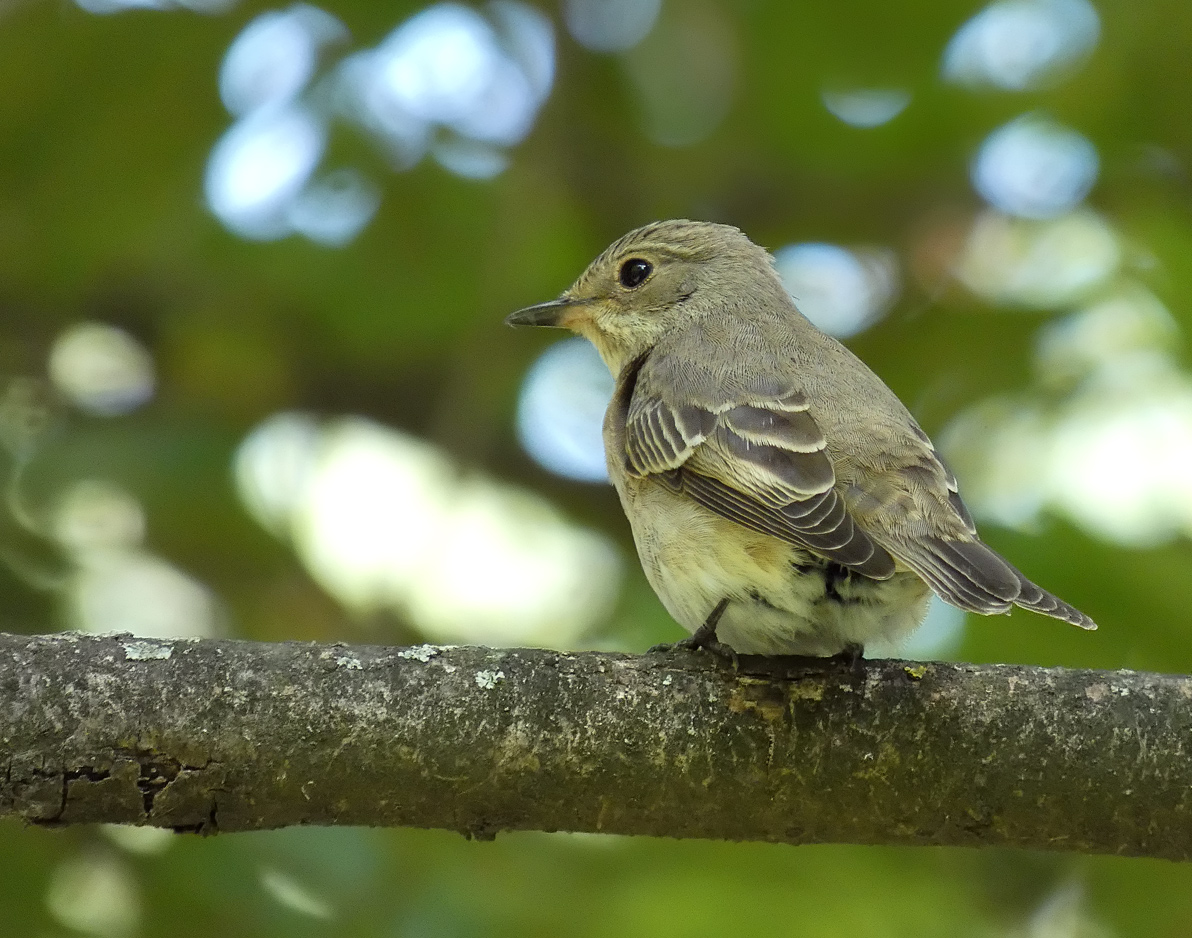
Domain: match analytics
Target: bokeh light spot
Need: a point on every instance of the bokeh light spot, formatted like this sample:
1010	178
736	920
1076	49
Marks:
1034	168
274	57
289	893
1038	265
259	166
1122	331
866	107
98	516
1015	45
119	6
386	521
610	25
117	586
841	291
333	210
560	412
450	81
102	369
95	893
135	592
451	67
469	159
1113	452
1119	464
140	841
439	63
999	450
274	465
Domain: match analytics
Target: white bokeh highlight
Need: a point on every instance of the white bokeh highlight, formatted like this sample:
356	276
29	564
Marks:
98	516
333	210
610	25
1017	45
117	585
445	65
841	291
139	841
451	82
119	6
1120	460
469	159
449	70
1035	168
260	166
1112	453
288	892
560	412
866	107
274	466
144	595
96	893
1126	331
102	369
275	56
386	521
1050	264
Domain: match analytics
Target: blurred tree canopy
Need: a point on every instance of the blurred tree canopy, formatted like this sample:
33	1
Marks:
311	244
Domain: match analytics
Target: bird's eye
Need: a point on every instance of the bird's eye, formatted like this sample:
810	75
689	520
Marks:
634	272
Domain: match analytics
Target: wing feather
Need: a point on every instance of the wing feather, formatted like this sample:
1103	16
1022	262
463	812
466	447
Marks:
658	438
791	430
780	474
760	463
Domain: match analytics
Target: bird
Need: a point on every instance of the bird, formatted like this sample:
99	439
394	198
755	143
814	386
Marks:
782	499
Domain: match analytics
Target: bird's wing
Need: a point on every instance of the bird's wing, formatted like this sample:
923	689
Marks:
761	462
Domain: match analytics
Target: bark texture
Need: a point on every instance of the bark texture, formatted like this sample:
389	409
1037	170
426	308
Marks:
210	736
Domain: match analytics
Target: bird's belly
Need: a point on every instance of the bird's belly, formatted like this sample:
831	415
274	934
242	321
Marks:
782	600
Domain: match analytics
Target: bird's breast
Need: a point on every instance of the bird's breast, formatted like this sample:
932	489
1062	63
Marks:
693	557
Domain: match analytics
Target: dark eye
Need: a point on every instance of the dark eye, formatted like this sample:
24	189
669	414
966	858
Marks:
634	272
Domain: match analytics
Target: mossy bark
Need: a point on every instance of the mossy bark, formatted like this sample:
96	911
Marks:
213	736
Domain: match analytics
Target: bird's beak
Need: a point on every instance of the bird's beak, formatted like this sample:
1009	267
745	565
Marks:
555	313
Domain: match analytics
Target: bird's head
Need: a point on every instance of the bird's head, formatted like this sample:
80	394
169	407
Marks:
650	281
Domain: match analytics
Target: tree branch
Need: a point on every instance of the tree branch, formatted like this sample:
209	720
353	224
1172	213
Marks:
212	736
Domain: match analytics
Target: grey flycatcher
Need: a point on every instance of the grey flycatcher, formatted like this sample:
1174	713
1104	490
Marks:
782	499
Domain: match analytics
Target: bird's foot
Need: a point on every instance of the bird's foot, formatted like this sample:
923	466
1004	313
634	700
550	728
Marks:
705	638
707	643
851	656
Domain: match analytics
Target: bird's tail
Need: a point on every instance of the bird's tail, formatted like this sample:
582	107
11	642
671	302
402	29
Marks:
973	576
1037	599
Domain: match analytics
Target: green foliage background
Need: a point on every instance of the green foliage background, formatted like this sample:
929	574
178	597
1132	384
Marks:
105	128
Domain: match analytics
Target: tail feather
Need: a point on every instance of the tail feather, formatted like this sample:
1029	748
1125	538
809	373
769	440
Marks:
972	576
1037	599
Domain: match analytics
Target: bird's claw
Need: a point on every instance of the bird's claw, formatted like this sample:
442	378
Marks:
697	642
705	638
851	656
684	644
